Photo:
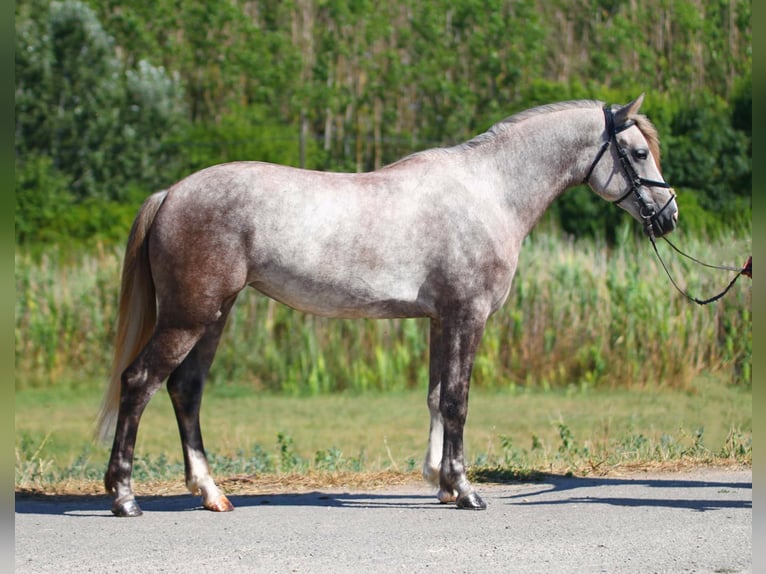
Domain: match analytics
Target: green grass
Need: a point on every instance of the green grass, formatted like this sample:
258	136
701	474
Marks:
579	314
508	432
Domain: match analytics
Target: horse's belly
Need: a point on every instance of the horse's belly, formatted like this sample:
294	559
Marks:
350	299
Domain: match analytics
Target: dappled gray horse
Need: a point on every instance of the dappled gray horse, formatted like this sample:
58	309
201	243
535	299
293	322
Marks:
436	234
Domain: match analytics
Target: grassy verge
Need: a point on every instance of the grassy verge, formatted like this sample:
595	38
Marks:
381	436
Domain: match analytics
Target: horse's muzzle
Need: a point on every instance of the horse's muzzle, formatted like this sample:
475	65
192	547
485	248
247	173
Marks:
665	220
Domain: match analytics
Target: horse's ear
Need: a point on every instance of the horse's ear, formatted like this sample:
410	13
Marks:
624	113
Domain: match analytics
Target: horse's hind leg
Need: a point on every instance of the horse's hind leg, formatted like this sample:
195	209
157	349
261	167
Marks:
185	387
162	354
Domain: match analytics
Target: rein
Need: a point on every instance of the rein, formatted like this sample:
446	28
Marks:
648	213
746	269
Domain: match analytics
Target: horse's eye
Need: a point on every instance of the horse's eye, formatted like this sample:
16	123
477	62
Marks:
640	154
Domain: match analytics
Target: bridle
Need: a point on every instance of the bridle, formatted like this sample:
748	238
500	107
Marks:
636	182
648	214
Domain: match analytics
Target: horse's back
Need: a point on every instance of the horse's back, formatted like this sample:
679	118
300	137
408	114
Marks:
331	244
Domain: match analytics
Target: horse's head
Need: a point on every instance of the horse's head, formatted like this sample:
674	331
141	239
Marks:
631	178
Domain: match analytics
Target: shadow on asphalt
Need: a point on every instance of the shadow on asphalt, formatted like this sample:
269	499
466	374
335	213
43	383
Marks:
551	492
560	484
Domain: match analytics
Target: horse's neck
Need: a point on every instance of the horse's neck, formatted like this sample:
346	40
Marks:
543	156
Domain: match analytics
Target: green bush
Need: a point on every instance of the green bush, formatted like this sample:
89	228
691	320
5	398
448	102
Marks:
707	152
42	200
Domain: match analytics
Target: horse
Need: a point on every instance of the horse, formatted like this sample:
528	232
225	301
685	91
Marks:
434	235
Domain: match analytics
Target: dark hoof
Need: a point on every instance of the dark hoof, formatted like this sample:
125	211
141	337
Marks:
471	501
127	508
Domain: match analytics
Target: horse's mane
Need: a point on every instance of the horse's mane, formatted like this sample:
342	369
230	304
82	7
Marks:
642	122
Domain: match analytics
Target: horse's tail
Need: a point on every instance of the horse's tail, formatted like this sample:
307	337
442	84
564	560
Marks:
137	311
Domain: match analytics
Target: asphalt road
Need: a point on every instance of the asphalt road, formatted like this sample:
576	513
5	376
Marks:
694	522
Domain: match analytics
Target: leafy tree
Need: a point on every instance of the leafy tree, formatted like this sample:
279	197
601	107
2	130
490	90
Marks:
101	126
78	99
120	97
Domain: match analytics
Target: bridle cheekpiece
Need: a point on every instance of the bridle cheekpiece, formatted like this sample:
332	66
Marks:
648	213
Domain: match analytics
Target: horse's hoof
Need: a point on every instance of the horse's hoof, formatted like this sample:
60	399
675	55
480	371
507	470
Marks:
222	504
127	508
446	496
471	501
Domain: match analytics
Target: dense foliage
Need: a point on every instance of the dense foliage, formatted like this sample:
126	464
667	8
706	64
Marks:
116	98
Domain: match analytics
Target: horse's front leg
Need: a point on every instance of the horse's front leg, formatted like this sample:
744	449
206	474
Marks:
433	461
460	338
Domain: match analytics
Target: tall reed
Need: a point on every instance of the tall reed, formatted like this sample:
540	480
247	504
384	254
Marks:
579	313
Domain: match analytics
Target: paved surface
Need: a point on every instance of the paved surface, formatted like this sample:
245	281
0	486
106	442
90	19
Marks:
697	522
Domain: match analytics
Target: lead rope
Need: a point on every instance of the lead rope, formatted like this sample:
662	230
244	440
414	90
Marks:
746	270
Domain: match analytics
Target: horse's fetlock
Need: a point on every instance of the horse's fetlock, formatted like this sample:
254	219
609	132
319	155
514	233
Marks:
109	484
193	485
431	474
